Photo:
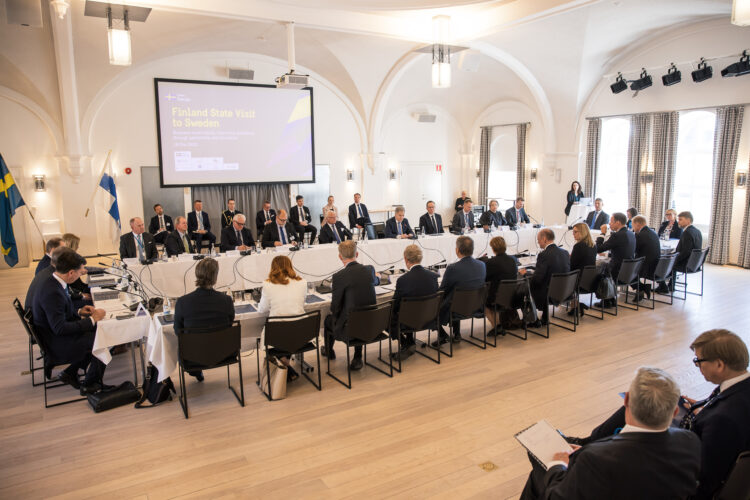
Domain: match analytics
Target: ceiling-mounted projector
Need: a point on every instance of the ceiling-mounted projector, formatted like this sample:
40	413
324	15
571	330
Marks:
292	81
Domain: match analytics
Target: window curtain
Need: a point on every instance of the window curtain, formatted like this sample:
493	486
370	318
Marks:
666	127
745	240
248	199
484	164
521	164
593	143
726	144
640	126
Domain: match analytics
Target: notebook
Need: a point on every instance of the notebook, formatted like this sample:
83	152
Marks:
542	441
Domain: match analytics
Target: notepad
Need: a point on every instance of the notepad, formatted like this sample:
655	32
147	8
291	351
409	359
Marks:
543	441
244	308
312	299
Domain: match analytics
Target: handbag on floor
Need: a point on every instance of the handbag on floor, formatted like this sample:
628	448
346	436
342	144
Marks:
606	288
121	395
278	378
153	391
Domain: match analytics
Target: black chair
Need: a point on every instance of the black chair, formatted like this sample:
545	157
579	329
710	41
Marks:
468	303
366	325
587	284
630	274
379	228
664	270
291	335
737	485
207	348
694	265
417	314
562	289
32	369
506	299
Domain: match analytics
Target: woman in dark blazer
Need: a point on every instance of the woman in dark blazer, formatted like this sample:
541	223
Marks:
670	225
582	255
500	267
574	196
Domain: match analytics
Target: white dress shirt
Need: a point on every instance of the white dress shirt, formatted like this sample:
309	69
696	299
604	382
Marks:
729	383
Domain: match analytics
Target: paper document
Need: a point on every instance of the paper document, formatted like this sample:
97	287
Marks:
543	441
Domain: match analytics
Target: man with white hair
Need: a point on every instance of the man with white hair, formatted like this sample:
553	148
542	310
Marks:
138	243
333	231
647	459
236	236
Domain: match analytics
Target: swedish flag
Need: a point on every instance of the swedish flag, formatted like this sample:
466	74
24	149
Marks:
10	200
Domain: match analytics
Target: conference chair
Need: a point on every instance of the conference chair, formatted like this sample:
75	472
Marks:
664	270
587	284
629	274
208	348
379	228
694	265
287	336
367	325
417	314
506	299
32	369
562	290
468	303
737	485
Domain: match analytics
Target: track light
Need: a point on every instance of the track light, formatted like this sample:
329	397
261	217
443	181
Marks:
619	84
739	68
643	82
673	76
704	72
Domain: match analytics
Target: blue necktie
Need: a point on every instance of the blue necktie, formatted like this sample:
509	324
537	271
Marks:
593	219
283	235
399	228
336	234
467	221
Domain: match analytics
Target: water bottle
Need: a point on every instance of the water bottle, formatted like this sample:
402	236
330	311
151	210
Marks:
167	307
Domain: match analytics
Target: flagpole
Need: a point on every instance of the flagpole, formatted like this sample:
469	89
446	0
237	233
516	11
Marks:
28	209
99	178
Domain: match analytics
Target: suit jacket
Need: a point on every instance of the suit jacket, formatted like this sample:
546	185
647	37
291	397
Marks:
459	221
271	234
466	273
229	238
674	234
39	278
153	226
128	248
690	239
203	308
192	220
353	214
581	256
647	245
600	221
621	245
174	246
417	282
260	221
643	465
510	216
426	224
724	433
459	204
294	215
227	217
352	288
391	228
327	236
500	267
551	261
572	198
487	218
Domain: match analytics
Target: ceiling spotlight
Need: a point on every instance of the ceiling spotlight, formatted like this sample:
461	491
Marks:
619	84
643	82
703	72
738	68
673	76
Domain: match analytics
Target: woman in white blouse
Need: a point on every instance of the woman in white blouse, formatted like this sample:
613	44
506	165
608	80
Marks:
330	208
283	295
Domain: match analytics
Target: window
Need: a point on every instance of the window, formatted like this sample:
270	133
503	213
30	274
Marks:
501	182
694	166
612	176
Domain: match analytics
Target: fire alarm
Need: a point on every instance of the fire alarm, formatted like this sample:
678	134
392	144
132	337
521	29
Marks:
128	170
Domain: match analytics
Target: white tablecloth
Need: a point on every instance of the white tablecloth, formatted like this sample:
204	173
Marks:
112	332
578	213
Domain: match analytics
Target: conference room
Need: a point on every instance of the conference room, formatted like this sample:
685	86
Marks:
385	249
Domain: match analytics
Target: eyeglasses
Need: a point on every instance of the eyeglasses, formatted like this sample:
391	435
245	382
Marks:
239	223
283	221
697	361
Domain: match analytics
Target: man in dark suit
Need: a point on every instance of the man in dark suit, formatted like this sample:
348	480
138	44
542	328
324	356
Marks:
620	244
178	241
333	231
516	214
352	288
358	216
281	232
199	226
431	223
41	277
551	260
492	217
468	272
627	465
51	244
463	219
690	239
646	245
299	215
398	226
597	217
416	282
237	236
204	307
160	225
68	333
263	218
227	216
138	243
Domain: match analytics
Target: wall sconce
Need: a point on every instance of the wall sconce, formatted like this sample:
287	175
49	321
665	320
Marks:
39	183
349	175
533	175
741	179
647	177
392	174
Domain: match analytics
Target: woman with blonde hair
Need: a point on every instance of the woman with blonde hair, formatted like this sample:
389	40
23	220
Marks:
670	226
582	255
283	295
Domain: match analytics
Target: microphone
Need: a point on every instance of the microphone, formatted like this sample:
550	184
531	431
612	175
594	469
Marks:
538	224
579	219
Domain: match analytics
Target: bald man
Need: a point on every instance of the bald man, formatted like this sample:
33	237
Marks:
138	243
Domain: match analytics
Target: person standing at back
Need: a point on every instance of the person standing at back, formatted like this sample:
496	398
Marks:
574	196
